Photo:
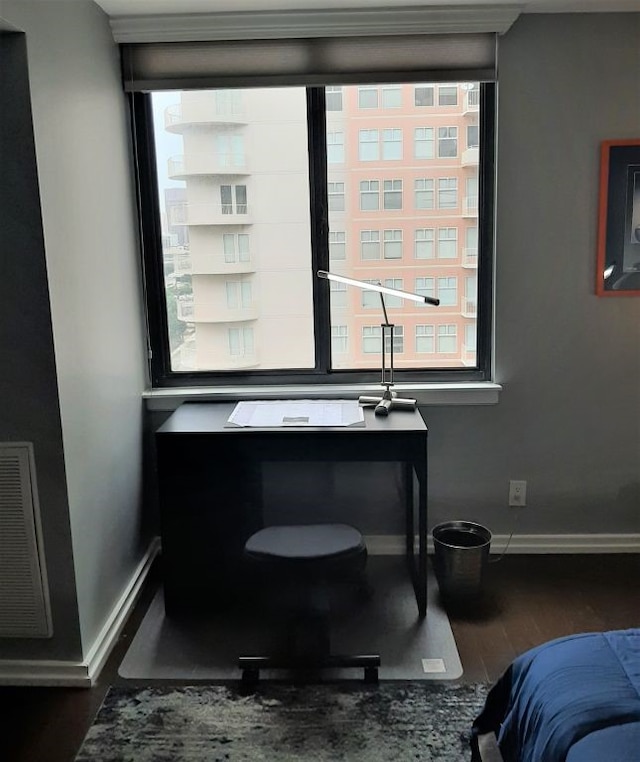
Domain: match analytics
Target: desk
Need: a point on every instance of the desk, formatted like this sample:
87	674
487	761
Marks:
210	491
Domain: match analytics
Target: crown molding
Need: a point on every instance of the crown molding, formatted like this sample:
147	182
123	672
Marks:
354	22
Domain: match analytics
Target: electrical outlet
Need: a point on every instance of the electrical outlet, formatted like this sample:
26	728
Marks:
517	493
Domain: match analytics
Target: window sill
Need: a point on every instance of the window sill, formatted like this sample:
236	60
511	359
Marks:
481	393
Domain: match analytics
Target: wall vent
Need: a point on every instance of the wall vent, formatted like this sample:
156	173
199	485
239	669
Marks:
24	595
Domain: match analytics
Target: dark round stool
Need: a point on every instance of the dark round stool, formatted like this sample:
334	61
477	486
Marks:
308	560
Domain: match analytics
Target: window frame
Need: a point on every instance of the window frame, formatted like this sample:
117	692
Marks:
161	376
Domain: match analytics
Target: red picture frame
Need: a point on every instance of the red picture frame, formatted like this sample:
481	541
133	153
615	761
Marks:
618	254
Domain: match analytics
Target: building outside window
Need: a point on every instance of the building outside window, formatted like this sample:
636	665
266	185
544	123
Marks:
424	243
370	195
337	245
424	193
398	340
423	95
426	287
425	339
447	95
335	147
447	193
447	338
447	142
368	145
448	291
339	339
391	96
393	244
367	97
371	339
392	144
370	244
333	95
240	341
423	144
447	243
393	194
335	193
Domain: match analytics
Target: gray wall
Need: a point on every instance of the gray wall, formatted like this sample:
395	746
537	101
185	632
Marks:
90	241
29	404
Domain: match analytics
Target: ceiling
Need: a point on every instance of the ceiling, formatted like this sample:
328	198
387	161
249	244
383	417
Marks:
123	8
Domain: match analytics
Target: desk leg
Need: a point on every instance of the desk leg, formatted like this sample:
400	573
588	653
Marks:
417	566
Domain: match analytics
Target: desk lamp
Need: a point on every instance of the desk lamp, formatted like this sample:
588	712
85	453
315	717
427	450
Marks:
389	399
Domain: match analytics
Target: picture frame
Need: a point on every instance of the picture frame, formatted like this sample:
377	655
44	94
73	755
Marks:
618	255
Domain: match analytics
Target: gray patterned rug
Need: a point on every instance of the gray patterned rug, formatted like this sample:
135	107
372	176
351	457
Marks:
423	722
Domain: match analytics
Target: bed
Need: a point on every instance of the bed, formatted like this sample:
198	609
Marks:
574	699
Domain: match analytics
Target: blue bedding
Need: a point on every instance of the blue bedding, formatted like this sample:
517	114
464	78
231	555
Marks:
575	699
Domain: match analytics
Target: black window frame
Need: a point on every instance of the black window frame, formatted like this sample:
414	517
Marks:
160	373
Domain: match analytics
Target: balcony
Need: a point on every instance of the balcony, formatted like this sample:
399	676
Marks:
193	165
216	264
468	355
180	116
469	307
218	312
470	206
185	308
470	258
218	214
471	102
471	157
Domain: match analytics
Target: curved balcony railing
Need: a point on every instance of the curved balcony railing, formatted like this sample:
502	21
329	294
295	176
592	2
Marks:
217	214
471	157
217	264
469	307
470	206
182	166
202	111
470	258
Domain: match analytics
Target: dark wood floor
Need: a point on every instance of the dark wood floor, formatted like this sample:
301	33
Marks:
528	600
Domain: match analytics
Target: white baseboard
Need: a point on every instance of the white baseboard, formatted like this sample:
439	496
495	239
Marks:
394	544
83	674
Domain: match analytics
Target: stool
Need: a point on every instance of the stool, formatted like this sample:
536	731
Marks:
307	560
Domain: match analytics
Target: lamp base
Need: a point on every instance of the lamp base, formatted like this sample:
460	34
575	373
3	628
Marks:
388	402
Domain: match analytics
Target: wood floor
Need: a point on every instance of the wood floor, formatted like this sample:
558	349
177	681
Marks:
528	600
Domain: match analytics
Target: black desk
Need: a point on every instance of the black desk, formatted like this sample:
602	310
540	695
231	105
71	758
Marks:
210	491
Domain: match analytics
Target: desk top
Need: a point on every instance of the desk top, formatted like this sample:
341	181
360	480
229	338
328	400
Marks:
211	417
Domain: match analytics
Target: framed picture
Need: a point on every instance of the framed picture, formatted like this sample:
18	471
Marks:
618	260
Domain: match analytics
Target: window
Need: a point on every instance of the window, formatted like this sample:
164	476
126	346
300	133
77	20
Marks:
423	144
447	193
393	194
447	95
448	291
370	195
425	339
424	190
447	142
277	182
371	338
424	243
473	136
447	338
423	95
391	97
393	244
339	339
367	97
392	144
368	148
335	194
447	243
337	245
369	244
398	340
333	97
335	147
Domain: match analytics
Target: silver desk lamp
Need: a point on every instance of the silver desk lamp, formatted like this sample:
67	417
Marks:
389	399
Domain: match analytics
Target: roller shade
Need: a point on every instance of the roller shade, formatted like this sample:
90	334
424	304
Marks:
313	61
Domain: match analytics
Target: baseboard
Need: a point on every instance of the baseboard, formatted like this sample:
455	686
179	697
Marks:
391	545
83	674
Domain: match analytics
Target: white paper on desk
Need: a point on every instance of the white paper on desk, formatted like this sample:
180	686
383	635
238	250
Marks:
280	413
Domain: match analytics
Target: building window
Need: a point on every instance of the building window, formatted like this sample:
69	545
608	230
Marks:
389	299
393	244
367	97
333	96
398	340
448	291
283	217
339	339
240	341
425	339
391	97
423	95
447	243
447	339
447	142
447	95
426	287
370	195
423	143
447	193
425	194
370	298
335	196
371	338
335	147
393	194
392	144
368	145
369	244
337	245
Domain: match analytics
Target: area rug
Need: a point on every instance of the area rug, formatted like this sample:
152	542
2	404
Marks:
392	721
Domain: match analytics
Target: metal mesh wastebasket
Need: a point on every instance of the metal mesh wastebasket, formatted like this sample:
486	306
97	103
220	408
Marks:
461	553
